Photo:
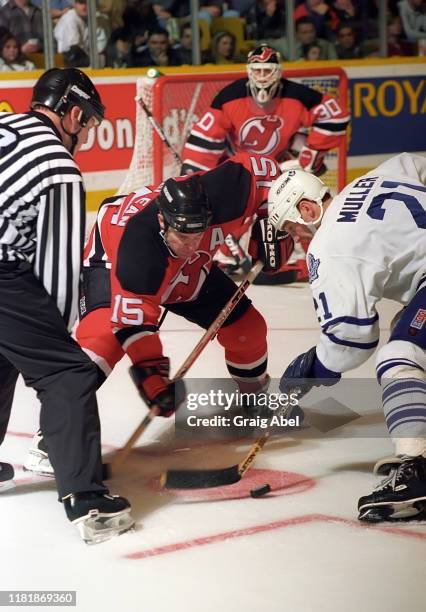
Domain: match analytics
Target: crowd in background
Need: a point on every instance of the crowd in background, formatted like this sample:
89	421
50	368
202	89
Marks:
138	33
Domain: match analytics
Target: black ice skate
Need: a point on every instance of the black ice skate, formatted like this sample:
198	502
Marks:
400	496
6	475
98	516
37	460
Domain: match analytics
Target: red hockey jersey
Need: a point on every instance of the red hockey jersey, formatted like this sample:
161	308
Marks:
234	120
145	274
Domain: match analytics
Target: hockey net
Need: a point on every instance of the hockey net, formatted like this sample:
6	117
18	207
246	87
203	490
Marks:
178	101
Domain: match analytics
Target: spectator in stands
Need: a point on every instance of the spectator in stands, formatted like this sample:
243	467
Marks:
157	51
24	21
118	50
346	45
114	10
139	18
223	49
72	35
265	19
11	58
184	48
324	19
347	10
208	10
397	45
312	52
57	7
305	35
413	17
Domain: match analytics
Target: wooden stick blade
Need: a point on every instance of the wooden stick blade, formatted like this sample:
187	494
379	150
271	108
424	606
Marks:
200	479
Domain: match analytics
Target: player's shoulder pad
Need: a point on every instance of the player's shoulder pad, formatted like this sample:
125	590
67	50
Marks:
306	95
142	256
228	187
234	91
110	200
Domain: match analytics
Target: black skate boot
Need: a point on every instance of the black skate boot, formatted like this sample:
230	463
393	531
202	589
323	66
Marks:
400	496
98	516
6	475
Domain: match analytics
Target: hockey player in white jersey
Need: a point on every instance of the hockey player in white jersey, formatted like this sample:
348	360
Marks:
370	244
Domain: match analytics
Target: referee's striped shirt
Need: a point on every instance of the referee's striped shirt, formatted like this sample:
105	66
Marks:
42	206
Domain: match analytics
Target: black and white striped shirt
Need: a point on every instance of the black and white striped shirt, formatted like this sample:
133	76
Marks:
42	206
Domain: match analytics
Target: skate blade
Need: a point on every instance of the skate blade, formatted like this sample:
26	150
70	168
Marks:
100	528
398	512
38	465
38	472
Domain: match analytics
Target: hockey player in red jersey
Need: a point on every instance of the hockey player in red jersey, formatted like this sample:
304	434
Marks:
153	249
264	114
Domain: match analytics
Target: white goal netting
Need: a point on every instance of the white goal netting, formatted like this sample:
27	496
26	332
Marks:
177	102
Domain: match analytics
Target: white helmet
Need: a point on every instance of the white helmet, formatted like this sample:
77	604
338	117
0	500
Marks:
287	191
264	73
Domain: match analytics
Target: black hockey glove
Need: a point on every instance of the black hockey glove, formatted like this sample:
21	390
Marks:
305	372
152	381
274	247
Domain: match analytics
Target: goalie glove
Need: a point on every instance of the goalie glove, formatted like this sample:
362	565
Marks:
152	381
271	246
312	160
307	371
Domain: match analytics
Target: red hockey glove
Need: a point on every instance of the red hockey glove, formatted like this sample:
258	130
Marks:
312	161
152	381
273	247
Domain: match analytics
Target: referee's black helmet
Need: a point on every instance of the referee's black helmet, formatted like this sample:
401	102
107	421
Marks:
59	89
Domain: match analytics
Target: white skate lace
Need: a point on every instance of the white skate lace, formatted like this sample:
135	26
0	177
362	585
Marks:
395	477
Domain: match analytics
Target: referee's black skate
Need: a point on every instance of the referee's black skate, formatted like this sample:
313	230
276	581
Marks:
98	516
400	496
6	476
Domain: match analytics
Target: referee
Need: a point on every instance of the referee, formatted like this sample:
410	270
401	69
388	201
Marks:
42	224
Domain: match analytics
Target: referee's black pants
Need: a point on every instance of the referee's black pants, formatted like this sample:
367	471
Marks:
34	341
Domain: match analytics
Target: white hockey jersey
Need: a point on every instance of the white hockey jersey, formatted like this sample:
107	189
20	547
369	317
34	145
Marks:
371	244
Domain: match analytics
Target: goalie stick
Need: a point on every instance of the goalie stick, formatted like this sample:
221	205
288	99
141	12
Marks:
210	334
157	127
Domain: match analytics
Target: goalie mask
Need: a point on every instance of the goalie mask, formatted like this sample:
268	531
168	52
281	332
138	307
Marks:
288	190
264	74
185	205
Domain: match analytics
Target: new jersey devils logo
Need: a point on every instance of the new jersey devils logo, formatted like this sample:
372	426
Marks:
188	281
261	134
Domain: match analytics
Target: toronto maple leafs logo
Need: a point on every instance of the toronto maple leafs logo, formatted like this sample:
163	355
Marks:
313	265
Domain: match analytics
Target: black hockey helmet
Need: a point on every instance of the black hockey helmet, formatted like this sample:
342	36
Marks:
61	88
185	205
264	73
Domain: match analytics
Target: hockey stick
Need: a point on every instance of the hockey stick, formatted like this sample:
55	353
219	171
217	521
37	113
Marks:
157	127
209	335
206	479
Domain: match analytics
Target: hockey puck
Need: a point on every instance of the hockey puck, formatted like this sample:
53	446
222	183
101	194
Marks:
260	491
6	472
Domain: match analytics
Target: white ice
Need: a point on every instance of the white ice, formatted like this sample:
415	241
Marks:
299	550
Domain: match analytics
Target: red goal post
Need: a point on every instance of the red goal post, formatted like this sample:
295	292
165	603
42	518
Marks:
177	101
